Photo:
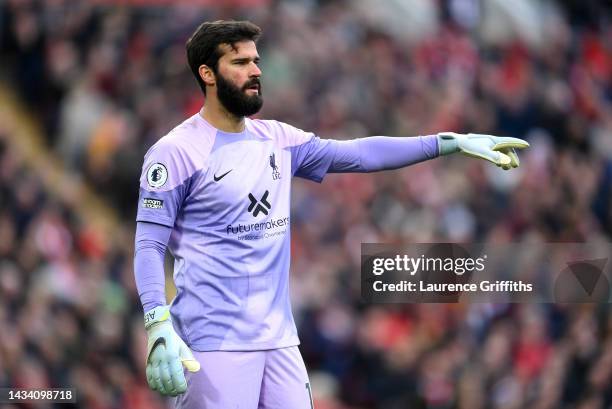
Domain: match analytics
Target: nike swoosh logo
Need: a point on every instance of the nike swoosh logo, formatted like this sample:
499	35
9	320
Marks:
218	178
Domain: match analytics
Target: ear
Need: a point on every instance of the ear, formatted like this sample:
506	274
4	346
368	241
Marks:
207	75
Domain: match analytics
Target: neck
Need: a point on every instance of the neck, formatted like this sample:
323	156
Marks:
216	115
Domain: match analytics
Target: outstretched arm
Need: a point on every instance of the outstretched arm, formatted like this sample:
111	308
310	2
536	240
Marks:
384	153
319	156
313	157
381	153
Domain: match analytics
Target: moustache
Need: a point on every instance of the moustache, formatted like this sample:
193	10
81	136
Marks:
250	83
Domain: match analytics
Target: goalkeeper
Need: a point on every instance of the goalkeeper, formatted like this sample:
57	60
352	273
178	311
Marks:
215	191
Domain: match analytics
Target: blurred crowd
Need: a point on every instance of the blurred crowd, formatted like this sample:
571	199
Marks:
105	82
69	305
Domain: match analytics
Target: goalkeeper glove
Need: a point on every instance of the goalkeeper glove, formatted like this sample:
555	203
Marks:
497	149
166	354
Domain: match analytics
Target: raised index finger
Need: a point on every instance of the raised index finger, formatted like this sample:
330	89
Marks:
503	142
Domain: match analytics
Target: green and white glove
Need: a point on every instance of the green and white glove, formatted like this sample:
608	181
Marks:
166	354
497	149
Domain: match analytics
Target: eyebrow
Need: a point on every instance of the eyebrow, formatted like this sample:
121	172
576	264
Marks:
245	59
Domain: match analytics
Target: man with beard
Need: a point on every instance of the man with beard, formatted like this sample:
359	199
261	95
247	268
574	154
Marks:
216	192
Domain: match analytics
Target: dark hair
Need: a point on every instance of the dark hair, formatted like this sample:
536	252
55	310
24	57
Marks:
203	46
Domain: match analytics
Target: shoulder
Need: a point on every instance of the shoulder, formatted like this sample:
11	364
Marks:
180	153
284	134
190	142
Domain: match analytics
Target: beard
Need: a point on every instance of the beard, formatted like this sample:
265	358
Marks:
236	100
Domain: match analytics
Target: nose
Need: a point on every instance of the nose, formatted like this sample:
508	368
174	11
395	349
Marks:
255	70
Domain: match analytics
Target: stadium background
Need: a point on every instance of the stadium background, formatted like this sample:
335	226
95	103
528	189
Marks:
87	87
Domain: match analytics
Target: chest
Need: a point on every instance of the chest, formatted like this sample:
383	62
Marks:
251	175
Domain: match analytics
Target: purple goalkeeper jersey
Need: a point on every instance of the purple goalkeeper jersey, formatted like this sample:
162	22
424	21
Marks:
226	196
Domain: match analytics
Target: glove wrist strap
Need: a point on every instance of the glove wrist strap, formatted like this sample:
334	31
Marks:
157	314
447	143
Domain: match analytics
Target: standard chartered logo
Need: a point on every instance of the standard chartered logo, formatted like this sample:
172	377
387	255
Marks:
261	230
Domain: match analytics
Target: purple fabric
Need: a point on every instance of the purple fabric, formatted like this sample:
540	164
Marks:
150	249
267	379
312	159
382	153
